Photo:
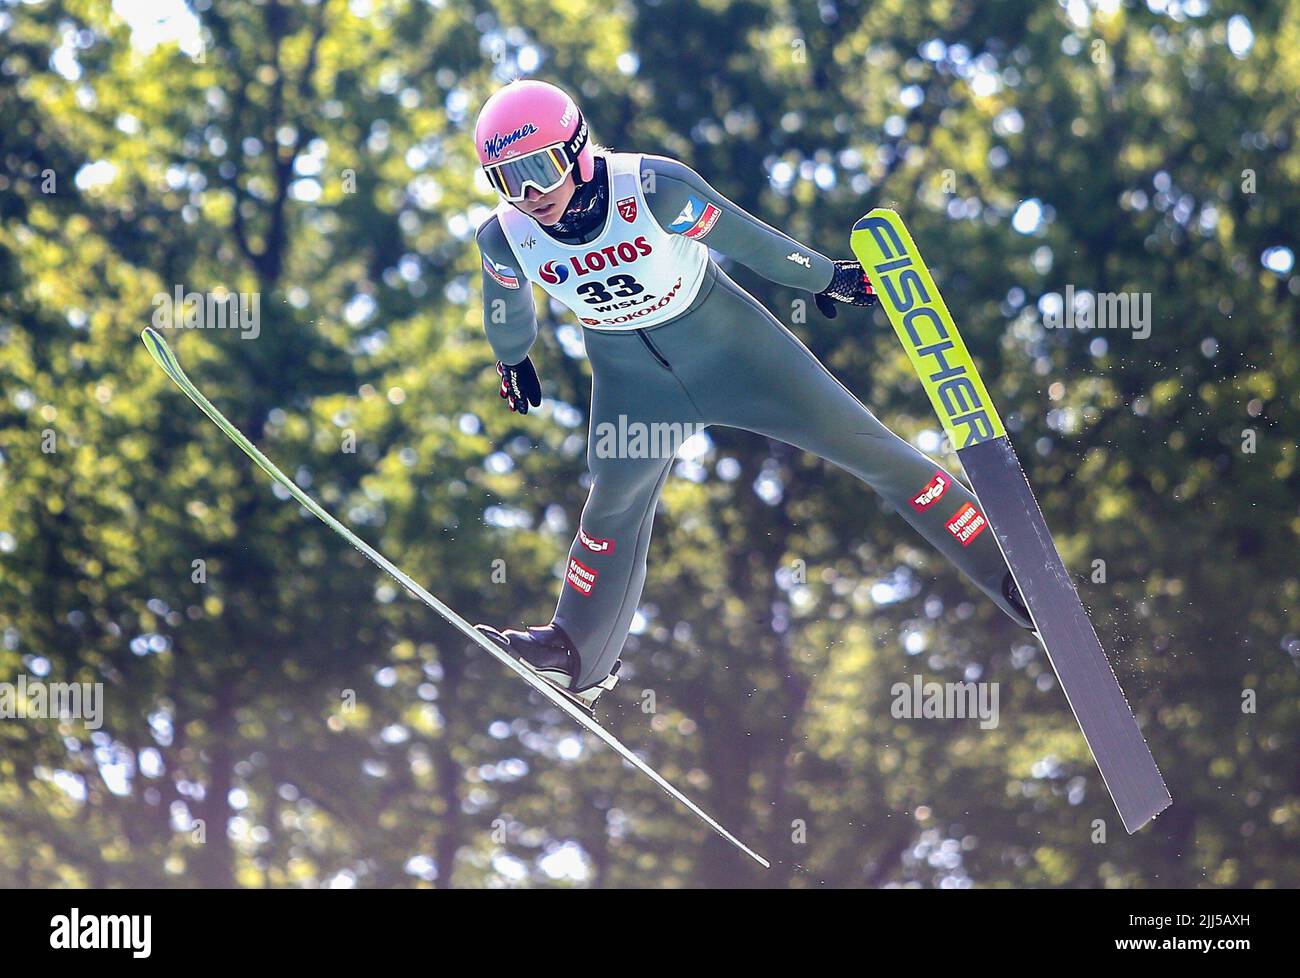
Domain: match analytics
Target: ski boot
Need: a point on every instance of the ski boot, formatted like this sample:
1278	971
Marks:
1012	594
547	651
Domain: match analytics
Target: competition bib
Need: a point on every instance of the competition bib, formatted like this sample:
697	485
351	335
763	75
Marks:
634	274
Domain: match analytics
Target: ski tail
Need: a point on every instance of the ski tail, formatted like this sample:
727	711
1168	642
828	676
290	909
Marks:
163	355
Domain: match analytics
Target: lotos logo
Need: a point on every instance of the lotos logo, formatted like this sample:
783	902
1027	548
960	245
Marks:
611	256
935	488
627	209
966	524
595	545
580	577
496	144
553	273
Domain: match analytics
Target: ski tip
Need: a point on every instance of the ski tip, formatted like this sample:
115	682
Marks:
872	215
152	341
158	349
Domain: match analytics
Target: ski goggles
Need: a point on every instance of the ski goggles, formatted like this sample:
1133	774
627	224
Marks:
544	169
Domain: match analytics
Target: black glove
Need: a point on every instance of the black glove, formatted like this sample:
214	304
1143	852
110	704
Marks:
519	385
849	285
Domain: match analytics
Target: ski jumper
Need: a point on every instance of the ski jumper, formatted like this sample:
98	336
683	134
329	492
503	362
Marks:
675	346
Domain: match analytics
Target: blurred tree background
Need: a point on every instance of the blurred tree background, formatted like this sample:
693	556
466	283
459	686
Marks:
280	715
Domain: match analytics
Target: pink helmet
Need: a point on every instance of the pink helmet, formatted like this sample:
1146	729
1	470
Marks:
530	132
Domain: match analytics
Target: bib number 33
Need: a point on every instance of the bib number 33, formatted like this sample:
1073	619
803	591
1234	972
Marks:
621	286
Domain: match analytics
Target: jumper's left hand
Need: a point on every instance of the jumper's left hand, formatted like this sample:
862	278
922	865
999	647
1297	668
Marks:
849	285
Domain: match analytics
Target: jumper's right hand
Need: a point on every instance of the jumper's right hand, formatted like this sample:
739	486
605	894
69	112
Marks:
519	385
